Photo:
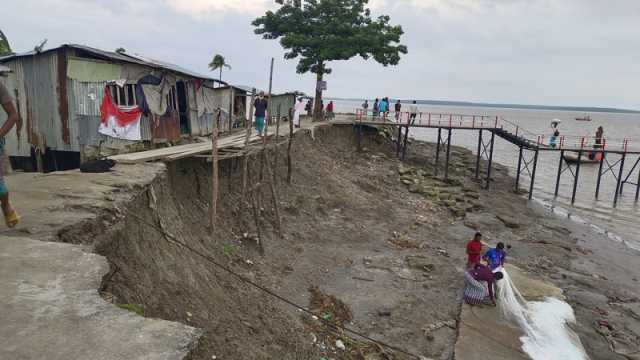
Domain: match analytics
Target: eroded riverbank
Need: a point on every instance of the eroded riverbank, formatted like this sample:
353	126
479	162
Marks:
391	250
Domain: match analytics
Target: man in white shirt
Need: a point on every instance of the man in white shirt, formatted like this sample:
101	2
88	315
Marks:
413	111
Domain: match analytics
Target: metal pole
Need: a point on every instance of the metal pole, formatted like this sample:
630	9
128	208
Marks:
575	178
559	173
478	155
615	197
446	163
493	136
600	174
438	151
533	173
519	169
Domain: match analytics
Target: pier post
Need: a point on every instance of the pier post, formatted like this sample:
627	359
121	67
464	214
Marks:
619	183
600	174
533	173
519	169
575	178
359	137
493	136
446	164
404	147
478	154
559	173
638	185
438	151
399	141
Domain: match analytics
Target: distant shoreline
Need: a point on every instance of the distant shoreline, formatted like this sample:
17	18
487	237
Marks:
509	106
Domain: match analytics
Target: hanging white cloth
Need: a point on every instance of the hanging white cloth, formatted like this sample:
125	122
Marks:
298	109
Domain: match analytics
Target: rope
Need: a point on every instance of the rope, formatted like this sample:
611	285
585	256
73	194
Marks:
172	239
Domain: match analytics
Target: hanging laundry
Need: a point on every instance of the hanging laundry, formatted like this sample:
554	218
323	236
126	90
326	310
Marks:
119	122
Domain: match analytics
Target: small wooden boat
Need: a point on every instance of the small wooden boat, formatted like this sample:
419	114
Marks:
587	157
584	118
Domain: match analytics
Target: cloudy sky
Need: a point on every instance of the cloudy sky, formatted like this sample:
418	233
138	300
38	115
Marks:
553	52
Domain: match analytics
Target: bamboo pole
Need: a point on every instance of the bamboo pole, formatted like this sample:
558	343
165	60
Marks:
214	175
264	163
289	146
275	150
247	125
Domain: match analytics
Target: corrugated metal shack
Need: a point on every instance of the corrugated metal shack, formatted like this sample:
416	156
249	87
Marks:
281	103
59	92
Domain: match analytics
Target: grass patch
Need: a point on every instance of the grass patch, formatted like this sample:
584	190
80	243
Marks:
229	249
133	308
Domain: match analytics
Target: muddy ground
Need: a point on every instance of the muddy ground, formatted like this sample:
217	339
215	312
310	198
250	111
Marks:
385	238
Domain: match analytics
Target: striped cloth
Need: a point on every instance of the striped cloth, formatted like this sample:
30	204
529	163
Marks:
475	292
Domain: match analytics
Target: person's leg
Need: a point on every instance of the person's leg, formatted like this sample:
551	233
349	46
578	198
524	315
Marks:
10	215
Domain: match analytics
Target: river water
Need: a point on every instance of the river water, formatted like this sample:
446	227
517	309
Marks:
620	223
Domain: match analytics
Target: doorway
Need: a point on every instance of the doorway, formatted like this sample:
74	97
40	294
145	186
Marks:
183	108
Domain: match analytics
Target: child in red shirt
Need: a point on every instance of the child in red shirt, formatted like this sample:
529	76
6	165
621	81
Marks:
474	251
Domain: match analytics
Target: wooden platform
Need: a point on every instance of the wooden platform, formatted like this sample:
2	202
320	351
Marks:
178	152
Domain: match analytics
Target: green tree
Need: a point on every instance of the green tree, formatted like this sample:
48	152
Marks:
321	31
5	48
218	63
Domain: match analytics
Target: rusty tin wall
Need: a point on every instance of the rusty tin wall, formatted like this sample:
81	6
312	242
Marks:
41	80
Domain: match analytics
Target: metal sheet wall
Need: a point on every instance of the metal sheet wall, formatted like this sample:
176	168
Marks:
15	146
40	74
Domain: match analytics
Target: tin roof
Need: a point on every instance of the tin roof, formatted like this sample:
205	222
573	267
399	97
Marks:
119	57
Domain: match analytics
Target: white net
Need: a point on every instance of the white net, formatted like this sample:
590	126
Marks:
544	323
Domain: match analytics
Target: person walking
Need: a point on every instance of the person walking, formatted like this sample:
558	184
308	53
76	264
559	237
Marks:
599	137
398	109
413	112
383	107
376	108
330	114
365	107
261	109
297	111
11	217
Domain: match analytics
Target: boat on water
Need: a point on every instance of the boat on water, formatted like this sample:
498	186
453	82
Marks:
586	158
583	118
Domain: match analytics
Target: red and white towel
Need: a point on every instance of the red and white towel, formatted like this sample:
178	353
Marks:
119	122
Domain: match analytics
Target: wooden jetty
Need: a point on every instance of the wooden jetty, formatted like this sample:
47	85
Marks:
572	150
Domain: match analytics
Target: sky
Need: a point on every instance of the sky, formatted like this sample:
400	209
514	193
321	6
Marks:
548	52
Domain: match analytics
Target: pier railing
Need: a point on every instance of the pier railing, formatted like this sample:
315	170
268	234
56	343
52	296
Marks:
471	121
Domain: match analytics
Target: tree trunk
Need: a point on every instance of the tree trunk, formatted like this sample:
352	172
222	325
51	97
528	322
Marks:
220	74
317	107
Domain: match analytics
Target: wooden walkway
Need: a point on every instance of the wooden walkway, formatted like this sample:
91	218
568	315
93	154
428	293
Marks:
233	141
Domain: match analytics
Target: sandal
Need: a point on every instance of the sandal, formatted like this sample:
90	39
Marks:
12	219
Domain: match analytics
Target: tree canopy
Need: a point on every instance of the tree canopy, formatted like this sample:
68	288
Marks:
217	63
5	48
320	31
